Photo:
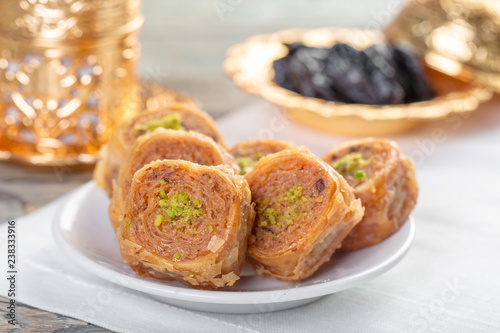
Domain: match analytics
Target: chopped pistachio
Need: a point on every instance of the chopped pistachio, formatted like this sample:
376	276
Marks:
294	193
162	182
177	255
271	215
285	210
359	174
181	207
162	194
126	224
246	164
171	121
261	205
274	239
259	155
349	164
159	219
191	275
171	214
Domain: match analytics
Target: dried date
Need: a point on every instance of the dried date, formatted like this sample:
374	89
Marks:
380	75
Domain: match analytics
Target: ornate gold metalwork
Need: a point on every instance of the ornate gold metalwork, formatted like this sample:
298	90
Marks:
454	36
67	76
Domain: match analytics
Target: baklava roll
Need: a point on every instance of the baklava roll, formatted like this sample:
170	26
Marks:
304	211
176	117
248	153
384	179
155	96
163	144
187	222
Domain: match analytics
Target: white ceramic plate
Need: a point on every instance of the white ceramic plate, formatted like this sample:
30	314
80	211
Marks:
82	229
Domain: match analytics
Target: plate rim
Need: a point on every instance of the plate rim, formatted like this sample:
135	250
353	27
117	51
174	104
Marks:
215	296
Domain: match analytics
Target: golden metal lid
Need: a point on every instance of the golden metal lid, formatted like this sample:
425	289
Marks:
46	21
458	37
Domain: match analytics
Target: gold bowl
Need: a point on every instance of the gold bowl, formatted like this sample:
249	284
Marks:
250	65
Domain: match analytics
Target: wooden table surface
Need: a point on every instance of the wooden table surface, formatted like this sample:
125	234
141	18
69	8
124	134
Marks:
183	45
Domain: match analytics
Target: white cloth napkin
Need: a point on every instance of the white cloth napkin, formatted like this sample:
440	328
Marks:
447	283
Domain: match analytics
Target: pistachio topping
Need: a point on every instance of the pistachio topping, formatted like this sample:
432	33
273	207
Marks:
293	194
271	215
350	164
282	214
159	219
246	164
171	121
177	255
359	174
180	207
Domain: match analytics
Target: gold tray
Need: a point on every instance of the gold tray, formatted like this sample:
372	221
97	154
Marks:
250	66
154	96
